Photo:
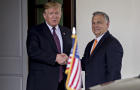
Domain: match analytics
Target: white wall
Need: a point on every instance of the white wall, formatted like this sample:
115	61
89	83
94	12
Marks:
125	25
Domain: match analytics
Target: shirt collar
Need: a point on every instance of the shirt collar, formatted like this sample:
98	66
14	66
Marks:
99	38
50	27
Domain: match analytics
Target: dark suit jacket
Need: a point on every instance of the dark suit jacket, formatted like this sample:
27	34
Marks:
42	51
105	63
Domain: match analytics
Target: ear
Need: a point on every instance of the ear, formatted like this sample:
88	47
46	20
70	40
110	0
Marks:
44	15
108	24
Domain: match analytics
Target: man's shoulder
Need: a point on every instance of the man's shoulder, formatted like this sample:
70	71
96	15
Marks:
109	37
37	27
64	28
112	41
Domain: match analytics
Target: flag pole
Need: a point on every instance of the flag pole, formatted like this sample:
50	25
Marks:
69	72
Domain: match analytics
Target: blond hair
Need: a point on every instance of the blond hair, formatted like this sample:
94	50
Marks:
52	5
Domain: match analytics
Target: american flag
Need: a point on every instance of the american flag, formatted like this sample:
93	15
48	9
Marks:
73	69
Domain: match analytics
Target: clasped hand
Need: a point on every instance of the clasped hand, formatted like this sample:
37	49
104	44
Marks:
62	59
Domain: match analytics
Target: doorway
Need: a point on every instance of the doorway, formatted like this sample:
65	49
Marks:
35	10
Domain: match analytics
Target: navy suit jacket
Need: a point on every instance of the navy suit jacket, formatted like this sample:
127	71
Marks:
42	51
105	63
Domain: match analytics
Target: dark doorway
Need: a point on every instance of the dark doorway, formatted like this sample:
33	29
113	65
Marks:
35	10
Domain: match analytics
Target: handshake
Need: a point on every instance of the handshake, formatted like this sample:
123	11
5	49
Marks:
61	59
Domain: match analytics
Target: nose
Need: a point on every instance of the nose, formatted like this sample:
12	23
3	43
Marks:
95	25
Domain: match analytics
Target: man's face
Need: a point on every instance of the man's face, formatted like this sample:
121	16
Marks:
99	25
52	16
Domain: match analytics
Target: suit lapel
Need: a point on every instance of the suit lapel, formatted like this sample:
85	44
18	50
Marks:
49	35
63	34
100	43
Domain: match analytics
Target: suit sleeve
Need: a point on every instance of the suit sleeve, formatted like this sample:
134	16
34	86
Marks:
114	60
86	56
35	52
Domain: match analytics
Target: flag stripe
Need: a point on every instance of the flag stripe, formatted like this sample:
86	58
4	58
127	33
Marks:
78	76
74	75
79	79
72	71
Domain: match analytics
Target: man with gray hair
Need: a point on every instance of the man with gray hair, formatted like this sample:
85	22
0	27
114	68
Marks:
102	59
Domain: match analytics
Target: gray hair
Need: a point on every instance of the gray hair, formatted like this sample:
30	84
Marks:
101	13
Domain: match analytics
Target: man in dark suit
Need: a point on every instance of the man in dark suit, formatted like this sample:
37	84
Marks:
48	47
103	55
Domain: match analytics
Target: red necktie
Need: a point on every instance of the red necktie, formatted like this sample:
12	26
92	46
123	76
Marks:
59	50
94	45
